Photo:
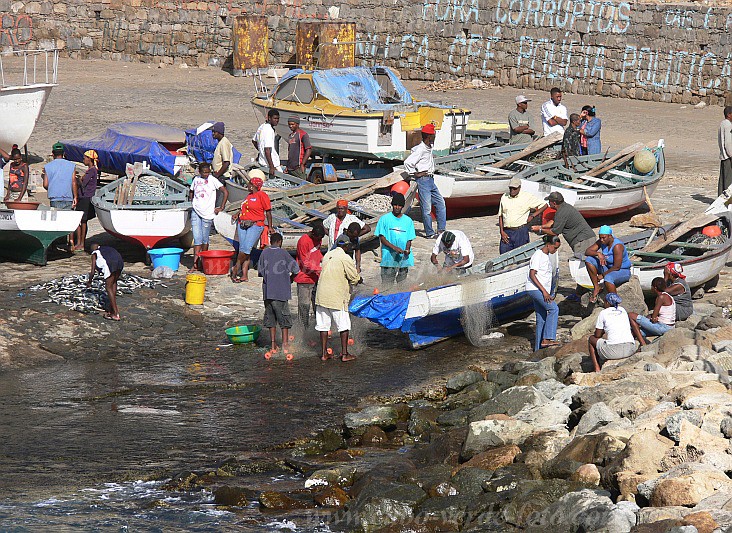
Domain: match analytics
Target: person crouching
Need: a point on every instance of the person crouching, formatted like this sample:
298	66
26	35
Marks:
613	321
108	261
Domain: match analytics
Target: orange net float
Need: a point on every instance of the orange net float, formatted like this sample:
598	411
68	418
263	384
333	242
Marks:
402	187
712	231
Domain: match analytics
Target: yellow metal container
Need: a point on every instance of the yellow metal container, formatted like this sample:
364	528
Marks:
195	289
325	44
251	42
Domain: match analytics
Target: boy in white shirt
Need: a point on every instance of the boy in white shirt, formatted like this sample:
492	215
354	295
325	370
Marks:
203	195
554	116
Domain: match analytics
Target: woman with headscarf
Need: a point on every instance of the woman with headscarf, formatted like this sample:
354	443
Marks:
590	127
255	214
87	187
613	321
539	285
678	288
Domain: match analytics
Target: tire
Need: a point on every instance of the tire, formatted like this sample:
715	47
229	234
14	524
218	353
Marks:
316	177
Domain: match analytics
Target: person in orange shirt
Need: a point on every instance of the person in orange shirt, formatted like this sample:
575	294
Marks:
256	213
18	177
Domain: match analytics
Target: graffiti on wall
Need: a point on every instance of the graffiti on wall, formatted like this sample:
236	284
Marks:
15	30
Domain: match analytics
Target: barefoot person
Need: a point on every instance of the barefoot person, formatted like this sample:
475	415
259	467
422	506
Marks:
613	321
203	194
87	188
277	269
17	177
256	209
107	260
607	260
542	270
663	317
333	295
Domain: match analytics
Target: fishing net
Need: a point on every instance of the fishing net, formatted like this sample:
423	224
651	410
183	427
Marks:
150	186
380	203
279	183
478	321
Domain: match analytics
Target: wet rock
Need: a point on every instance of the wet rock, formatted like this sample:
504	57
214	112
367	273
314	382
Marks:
597	416
422	420
673	423
444	448
598	449
502	378
541	447
531	497
328	440
686	485
278	501
492	459
434	480
507	478
702	521
435	393
469	481
374	436
234	496
586	474
486	434
545	416
332	497
458	417
471	395
383	416
588	510
450	511
382	474
182	481
509	402
463	379
342	476
381	505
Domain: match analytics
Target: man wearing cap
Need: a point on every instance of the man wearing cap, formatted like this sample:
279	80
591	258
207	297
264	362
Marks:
395	231
265	141
420	165
521	123
614	322
336	223
298	148
554	115
457	249
517	207
607	260
223	154
725	151
678	288
333	295
567	222
60	180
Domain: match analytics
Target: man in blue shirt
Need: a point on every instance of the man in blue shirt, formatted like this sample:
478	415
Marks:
59	179
396	233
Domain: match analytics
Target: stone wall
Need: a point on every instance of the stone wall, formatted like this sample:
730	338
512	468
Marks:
663	52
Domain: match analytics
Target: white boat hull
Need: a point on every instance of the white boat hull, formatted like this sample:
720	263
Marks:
147	227
26	235
20	107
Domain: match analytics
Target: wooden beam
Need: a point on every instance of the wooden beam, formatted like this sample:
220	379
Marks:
626	154
537	145
683	228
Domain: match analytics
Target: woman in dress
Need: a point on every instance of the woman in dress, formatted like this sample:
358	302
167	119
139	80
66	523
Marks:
590	127
542	270
256	213
87	187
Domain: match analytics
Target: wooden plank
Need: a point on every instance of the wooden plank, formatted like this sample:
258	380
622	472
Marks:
494	170
671	236
598	180
624	174
569	184
626	154
537	145
523	163
133	188
675	257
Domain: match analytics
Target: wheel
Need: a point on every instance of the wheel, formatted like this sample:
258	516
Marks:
316	176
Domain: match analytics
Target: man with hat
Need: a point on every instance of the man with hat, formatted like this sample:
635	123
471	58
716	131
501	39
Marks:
265	141
567	222
298	148
420	165
521	123
337	223
333	295
517	207
678	288
60	180
223	154
607	260
395	231
457	249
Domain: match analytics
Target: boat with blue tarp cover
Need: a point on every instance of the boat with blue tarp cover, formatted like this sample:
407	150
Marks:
495	289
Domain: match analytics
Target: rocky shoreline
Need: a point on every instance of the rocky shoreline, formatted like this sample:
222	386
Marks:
537	445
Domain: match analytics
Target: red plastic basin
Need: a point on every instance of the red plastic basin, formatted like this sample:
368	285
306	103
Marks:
216	262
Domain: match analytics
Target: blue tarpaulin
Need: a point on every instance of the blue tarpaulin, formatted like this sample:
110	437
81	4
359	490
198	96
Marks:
201	146
388	310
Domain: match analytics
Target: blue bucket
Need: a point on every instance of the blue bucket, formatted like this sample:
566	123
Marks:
169	257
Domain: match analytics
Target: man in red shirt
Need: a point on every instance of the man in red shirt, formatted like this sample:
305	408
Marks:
309	257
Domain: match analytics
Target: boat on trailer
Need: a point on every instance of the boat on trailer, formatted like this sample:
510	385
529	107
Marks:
25	235
144	207
495	289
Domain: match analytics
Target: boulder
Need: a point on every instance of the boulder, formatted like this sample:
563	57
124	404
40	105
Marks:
588	510
648	515
383	504
532	497
234	496
509	402
673	422
632	295
726	427
341	476
459	381
671	342
332	497
644	388
502	378
598	448
586	474
711	322
709	337
458	417
469	481
543	368
586	327
541	447
686	484
471	395
719	505
422	420
597	416
708	401
550	387
383	416
374	436
486	434
492	459
626	483
702	521
545	416
279	501
571	363
698	445
643	454
442	449
447	513
507	478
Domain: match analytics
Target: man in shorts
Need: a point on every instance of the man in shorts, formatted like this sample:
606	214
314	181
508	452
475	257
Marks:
333	296
613	321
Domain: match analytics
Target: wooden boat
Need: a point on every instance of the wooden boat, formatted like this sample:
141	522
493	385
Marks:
362	112
25	235
144	207
22	103
702	257
496	288
294	209
236	185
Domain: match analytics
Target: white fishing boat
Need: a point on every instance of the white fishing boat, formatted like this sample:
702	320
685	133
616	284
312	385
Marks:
25	235
144	207
495	290
359	112
26	80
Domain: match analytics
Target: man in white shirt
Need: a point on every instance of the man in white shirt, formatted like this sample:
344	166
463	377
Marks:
337	223
620	343
725	151
420	165
554	116
223	154
457	249
265	142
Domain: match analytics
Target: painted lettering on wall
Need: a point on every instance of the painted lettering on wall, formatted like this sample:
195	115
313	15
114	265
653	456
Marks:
15	30
589	16
451	10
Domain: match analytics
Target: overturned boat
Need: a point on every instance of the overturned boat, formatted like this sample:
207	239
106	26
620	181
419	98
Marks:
25	235
360	112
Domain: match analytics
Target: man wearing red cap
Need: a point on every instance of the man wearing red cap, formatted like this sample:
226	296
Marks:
678	288
337	223
420	165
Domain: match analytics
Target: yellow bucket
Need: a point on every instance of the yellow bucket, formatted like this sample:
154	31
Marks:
195	289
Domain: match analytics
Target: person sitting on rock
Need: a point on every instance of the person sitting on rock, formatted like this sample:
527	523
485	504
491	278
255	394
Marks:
662	319
607	260
679	290
613	321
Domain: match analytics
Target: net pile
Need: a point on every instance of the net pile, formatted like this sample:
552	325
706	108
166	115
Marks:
150	186
477	321
380	203
279	183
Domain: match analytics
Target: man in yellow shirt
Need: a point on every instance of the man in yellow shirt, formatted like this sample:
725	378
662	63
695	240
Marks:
516	209
223	155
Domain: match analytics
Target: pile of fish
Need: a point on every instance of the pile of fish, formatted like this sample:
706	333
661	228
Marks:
379	203
72	292
280	183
